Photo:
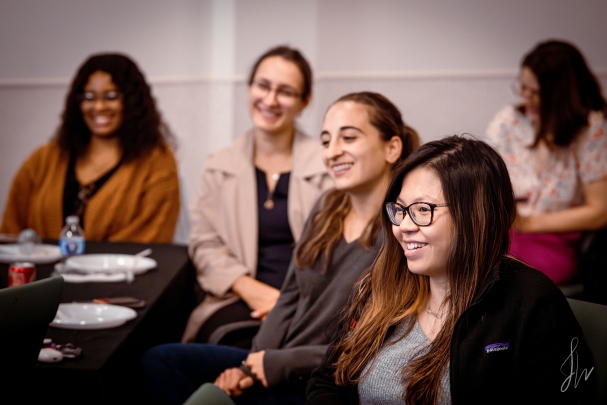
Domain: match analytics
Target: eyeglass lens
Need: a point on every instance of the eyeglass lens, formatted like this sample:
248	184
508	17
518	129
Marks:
285	94
521	90
421	213
89	96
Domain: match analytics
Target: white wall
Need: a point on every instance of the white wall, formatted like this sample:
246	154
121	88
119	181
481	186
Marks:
49	39
446	64
396	35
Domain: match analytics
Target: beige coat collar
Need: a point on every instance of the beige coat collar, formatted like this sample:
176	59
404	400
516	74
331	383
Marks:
237	159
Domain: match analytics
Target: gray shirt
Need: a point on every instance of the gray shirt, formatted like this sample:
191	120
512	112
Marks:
382	383
298	330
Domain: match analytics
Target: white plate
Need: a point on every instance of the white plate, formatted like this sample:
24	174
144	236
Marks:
41	254
91	316
107	263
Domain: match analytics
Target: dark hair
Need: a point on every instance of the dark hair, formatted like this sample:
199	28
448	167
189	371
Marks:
327	226
292	55
476	185
142	128
568	91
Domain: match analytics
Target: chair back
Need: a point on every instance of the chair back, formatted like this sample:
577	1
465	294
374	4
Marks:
238	334
593	320
25	314
209	394
593	266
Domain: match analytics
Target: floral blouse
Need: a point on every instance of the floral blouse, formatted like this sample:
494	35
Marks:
549	180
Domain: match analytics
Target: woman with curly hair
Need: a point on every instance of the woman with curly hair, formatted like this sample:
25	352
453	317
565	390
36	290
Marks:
110	163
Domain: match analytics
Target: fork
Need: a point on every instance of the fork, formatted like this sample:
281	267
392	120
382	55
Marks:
130	277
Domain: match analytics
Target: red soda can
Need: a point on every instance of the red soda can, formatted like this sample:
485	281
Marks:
21	273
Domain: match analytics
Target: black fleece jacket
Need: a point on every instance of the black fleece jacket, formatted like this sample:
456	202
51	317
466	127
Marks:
511	346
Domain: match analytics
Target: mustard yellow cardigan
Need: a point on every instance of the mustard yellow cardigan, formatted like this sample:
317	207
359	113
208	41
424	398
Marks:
138	203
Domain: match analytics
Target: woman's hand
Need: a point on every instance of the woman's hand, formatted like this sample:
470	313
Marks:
229	381
260	297
254	362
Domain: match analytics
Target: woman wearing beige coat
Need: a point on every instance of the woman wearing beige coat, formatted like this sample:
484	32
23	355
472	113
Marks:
224	236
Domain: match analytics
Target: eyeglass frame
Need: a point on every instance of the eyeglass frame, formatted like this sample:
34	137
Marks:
519	88
406	209
104	97
265	88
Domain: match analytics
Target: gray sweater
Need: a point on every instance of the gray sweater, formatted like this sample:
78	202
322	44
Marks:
382	378
298	330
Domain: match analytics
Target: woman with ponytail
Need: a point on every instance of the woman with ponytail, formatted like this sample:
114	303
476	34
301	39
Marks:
363	137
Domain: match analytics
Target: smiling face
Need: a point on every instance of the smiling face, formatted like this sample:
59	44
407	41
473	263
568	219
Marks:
356	156
530	94
274	95
426	247
101	105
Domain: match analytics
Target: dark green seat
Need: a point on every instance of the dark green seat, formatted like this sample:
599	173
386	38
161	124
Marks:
593	320
25	313
209	394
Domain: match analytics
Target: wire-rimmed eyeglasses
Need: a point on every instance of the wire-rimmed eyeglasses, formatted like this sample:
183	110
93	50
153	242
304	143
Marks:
106	97
421	213
285	94
520	89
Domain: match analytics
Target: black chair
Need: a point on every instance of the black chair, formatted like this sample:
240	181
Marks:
25	313
593	267
593	320
590	284
238	334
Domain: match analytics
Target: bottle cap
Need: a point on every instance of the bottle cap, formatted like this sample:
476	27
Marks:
72	219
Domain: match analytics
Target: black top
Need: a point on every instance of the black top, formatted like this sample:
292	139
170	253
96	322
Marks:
274	238
511	346
76	195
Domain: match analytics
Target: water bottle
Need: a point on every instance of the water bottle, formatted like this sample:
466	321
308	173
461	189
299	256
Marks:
71	238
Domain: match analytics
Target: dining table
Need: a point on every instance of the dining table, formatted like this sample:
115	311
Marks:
108	370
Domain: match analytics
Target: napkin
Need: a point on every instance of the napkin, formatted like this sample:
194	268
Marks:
95	277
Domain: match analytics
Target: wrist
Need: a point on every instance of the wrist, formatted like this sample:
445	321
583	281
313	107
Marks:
241	285
247	371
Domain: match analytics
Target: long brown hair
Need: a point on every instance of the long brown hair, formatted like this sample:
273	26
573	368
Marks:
327	226
568	91
142	127
476	185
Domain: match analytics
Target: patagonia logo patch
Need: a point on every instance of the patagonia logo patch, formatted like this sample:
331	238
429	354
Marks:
497	347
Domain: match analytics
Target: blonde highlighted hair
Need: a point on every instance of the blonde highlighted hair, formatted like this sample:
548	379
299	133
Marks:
476	185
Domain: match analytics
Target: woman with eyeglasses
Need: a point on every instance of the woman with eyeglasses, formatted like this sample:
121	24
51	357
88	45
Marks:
253	199
363	136
555	146
110	163
444	315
